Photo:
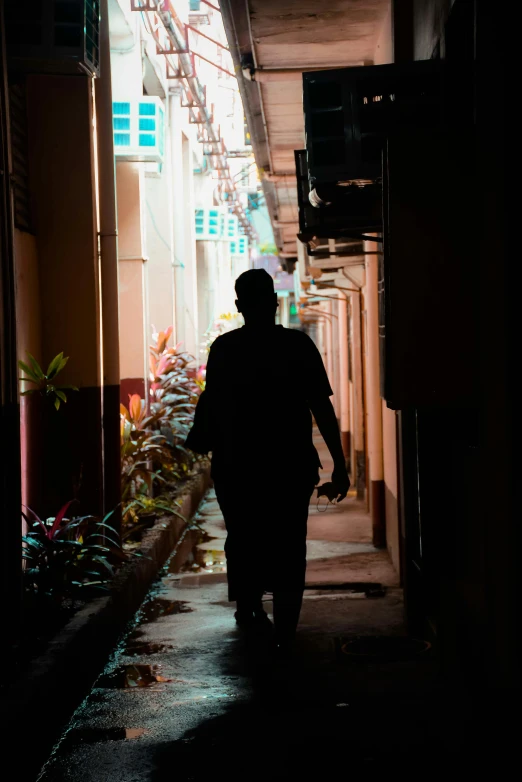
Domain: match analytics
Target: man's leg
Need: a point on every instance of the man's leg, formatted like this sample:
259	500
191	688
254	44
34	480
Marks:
242	571
290	581
287	608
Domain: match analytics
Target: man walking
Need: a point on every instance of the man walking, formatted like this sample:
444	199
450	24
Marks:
263	383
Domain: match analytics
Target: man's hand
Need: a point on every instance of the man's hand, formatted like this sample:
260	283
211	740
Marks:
340	481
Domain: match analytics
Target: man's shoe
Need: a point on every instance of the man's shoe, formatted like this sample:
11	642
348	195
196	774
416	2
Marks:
262	621
244	618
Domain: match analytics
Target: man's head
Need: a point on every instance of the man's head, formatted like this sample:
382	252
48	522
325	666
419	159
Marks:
256	298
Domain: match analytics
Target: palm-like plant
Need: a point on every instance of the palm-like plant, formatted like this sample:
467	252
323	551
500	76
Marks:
142	448
174	395
45	382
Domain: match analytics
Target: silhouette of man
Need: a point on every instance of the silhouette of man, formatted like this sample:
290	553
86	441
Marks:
263	382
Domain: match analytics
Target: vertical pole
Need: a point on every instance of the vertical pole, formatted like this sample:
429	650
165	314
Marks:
178	198
108	245
375	450
189	233
334	308
344	385
358	397
328	345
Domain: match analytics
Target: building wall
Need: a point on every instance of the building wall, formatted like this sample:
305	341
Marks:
132	279
384	55
64	198
158	216
391	494
207	268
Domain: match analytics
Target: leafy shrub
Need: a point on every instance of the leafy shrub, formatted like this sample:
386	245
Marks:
65	555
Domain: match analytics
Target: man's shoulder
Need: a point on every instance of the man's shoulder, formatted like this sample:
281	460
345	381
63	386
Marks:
297	338
228	337
226	340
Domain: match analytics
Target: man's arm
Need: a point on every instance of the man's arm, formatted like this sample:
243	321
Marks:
324	414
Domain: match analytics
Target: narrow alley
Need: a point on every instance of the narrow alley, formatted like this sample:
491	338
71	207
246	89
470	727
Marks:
187	696
240	239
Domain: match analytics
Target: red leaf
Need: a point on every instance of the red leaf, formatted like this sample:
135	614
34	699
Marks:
58	520
38	519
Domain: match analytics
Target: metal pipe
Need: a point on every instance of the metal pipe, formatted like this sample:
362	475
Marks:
203	35
210	5
358	396
375	441
108	245
262	77
219	67
344	385
264	74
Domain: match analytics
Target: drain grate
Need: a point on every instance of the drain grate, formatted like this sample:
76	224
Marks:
381	648
369	588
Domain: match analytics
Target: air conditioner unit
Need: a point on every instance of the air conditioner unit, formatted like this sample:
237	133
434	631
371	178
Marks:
139	129
354	208
209	224
230	227
216	224
239	247
349	112
55	36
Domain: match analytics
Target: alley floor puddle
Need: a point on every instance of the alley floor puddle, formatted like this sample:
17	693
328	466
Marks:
98	735
129	677
160	606
142	648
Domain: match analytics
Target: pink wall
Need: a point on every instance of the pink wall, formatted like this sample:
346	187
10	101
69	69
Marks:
134	333
29	340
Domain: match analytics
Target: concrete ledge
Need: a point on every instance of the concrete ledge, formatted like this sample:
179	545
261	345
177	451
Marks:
35	709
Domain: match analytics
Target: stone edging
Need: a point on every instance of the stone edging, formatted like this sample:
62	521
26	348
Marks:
39	705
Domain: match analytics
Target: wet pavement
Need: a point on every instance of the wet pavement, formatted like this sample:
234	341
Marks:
186	696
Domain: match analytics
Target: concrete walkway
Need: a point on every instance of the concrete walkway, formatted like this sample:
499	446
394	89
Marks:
186	697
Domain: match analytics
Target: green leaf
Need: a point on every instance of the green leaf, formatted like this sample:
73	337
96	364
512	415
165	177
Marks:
70	388
28	371
36	367
104	562
53	367
94	547
63	363
60	395
57	403
29	391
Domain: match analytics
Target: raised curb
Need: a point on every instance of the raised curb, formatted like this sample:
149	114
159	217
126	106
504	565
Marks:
38	706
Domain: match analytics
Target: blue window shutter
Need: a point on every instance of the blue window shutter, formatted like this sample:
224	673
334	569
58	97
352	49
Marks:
147	110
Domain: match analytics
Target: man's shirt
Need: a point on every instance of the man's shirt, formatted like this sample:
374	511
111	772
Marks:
255	412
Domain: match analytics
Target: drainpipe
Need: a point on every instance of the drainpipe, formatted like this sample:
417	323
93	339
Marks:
108	247
336	359
264	74
358	397
329	347
374	411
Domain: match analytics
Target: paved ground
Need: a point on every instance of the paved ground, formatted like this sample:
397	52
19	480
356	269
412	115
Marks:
187	697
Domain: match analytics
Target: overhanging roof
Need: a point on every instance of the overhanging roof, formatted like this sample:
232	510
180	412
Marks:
282	38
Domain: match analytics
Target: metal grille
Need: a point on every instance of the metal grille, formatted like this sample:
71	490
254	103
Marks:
92	34
19	153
